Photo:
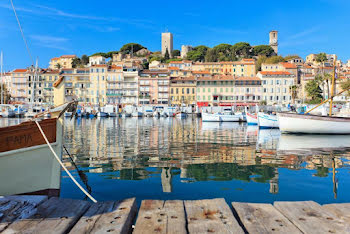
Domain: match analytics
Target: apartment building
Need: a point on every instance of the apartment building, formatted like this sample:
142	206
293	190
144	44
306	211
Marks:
183	90
276	86
130	87
64	61
154	87
245	68
49	77
19	86
114	82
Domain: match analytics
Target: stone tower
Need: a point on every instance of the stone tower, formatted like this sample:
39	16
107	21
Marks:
167	43
273	42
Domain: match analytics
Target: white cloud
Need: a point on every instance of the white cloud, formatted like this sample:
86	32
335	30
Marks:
50	41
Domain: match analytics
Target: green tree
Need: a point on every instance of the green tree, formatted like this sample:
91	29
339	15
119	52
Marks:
263	50
345	85
175	53
211	56
76	62
110	54
145	65
321	58
166	55
131	48
294	91
261	59
154	58
314	91
198	53
84	59
274	59
242	49
289	57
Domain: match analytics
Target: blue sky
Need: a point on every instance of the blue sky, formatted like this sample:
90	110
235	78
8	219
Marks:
53	28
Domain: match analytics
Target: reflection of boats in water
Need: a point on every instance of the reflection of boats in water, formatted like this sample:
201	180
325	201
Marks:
313	142
212	126
268	138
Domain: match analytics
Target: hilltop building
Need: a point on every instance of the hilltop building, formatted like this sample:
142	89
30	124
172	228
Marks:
64	61
167	43
273	42
185	49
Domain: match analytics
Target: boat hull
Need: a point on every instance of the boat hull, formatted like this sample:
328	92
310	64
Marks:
251	119
207	117
312	124
229	118
267	120
27	165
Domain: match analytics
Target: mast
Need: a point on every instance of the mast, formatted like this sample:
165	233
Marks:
33	83
332	91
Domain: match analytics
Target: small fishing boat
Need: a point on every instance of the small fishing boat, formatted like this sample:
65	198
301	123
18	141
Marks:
110	110
313	124
251	119
181	115
267	120
228	116
148	113
6	111
209	117
27	165
137	113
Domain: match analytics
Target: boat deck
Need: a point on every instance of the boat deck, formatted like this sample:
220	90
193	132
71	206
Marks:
38	214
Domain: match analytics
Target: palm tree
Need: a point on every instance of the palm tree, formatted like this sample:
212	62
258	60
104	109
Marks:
58	66
321	58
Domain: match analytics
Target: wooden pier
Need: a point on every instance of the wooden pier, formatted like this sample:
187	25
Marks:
38	214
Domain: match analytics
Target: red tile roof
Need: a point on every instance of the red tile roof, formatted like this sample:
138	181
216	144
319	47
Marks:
270	73
217	78
174	68
55	58
247	78
200	72
289	65
69	56
19	70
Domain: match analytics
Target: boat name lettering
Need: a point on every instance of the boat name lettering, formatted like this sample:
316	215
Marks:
19	139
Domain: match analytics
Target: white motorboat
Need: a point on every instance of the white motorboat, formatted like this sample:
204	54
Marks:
251	119
6	111
170	111
136	113
28	166
209	117
313	124
111	110
68	114
148	113
267	120
228	117
102	114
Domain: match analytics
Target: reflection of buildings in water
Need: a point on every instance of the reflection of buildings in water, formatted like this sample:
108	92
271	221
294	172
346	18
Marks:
274	188
166	180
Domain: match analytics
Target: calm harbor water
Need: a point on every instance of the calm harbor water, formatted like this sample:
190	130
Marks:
168	158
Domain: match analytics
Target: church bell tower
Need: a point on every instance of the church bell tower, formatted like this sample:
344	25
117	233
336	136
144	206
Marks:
273	42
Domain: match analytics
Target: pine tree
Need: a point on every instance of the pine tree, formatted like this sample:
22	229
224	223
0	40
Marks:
166	55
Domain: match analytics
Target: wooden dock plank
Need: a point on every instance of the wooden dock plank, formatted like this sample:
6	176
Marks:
118	218
151	218
309	217
341	211
161	217
55	215
17	207
212	216
263	218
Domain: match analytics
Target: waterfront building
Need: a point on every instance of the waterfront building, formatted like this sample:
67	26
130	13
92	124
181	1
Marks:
182	65
98	84
154	87
35	86
183	90
130	87
212	67
115	83
157	65
227	90
49	77
273	40
185	49
73	84
276	86
283	66
64	61
19	87
167	43
177	72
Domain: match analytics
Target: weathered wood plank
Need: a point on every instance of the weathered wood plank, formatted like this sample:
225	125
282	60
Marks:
53	216
309	217
17	207
341	211
151	217
111	217
161	217
176	219
212	216
263	218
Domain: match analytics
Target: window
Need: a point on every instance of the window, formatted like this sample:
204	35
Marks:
183	90
177	91
265	90
203	90
188	91
221	90
271	82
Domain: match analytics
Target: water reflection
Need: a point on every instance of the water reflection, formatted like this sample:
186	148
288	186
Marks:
169	158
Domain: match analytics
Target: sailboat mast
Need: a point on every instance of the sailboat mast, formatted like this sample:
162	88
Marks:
332	90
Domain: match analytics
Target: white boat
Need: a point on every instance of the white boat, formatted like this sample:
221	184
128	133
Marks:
102	114
228	117
313	124
111	110
28	166
267	120
209	117
170	111
6	111
251	119
148	113
181	115
137	113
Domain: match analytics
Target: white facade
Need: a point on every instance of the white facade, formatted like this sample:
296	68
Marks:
97	60
273	40
130	85
167	43
276	87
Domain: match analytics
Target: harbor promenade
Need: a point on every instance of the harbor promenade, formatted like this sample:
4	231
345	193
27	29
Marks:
39	214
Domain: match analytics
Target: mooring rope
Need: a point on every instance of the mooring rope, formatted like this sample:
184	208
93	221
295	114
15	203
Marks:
63	166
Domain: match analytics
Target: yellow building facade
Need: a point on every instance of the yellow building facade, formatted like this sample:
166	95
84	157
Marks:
183	90
64	61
